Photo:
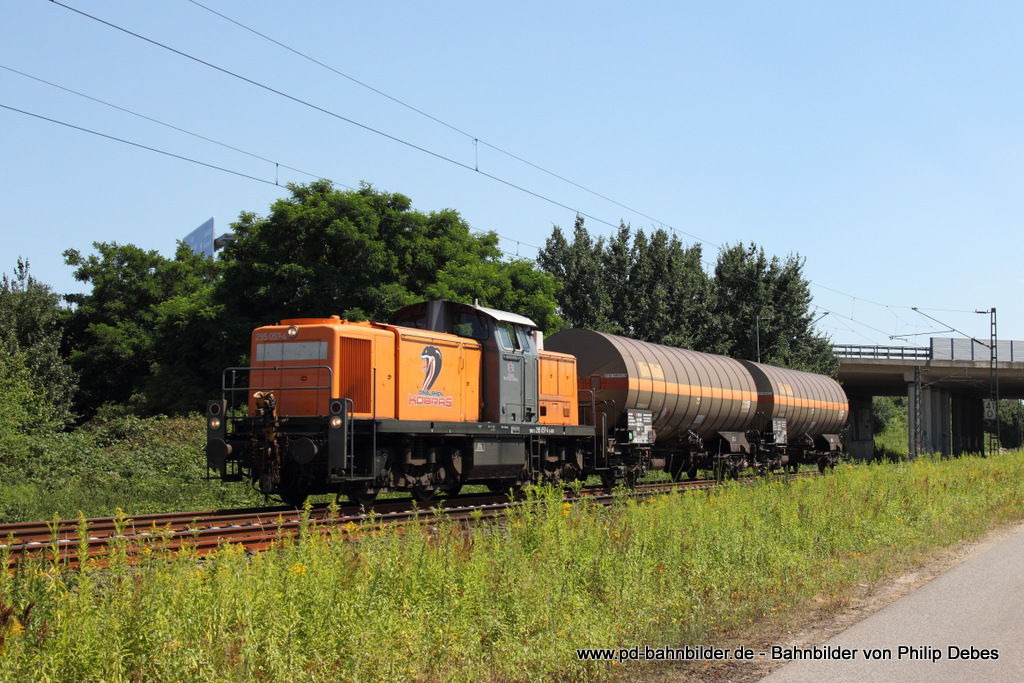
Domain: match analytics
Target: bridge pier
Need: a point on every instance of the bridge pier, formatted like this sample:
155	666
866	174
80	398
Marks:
947	423
861	437
968	425
928	424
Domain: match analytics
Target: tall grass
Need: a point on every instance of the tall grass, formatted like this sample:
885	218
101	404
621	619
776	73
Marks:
505	602
142	465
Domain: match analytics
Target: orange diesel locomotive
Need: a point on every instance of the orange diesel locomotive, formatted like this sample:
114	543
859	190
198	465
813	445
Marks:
444	395
447	394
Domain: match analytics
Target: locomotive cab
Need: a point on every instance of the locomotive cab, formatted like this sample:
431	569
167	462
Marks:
510	353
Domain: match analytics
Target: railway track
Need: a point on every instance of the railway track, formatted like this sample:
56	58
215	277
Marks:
69	542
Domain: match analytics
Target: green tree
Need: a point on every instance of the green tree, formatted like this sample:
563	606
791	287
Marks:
363	254
582	300
669	291
761	311
515	286
22	406
1011	423
649	288
191	338
31	327
112	333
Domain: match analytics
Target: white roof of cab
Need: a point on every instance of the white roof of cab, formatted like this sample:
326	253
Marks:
505	316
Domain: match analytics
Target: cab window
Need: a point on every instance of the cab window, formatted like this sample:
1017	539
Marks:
470	325
525	341
507	337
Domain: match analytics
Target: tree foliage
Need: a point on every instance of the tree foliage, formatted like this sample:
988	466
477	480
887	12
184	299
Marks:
650	288
362	254
36	384
762	311
655	289
117	334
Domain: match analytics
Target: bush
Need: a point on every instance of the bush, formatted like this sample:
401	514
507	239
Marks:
140	465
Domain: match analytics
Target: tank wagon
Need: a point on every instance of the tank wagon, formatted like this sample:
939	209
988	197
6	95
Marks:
709	411
447	394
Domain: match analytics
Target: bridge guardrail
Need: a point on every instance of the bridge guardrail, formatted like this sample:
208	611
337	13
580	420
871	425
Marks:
882	352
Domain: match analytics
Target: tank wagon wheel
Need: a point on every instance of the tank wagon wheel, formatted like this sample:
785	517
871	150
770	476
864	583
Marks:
422	495
508	489
452	490
293	500
362	498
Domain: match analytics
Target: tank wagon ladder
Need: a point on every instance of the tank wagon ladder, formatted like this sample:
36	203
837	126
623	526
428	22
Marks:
599	441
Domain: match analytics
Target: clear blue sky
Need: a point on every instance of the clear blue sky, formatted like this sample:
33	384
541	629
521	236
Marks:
881	141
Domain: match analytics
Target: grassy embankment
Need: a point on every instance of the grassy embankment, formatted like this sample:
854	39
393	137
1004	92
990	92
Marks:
503	602
152	465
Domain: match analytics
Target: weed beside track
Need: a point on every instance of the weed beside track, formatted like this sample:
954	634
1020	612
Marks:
507	601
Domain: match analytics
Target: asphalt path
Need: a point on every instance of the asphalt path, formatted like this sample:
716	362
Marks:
965	625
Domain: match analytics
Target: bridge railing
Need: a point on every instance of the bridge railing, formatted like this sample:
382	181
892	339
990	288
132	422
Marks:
882	352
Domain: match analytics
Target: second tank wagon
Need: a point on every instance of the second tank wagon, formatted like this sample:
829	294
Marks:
708	411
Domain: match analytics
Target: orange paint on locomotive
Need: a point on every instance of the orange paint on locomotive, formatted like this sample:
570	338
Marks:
557	384
387	371
438	376
326	358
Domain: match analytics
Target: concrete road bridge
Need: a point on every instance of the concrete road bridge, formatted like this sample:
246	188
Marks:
948	385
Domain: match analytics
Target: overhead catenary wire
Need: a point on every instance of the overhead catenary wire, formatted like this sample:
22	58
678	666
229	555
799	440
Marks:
407	143
277	164
136	144
479	141
475	139
157	121
333	114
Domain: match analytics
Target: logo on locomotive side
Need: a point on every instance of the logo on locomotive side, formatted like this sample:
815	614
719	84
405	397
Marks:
510	375
432	362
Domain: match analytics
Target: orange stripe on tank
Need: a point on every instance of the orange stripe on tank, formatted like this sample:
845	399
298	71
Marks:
672	388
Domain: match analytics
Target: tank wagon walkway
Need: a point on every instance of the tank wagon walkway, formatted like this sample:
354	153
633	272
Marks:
965	625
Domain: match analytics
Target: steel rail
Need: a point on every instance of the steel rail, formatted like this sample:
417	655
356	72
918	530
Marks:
60	542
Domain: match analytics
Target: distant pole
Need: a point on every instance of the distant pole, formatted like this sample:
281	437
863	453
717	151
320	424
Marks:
994	374
992	413
757	333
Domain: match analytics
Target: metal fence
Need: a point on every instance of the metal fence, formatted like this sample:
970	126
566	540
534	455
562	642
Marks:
940	348
882	352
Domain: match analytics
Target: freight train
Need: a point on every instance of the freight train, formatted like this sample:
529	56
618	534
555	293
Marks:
447	394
